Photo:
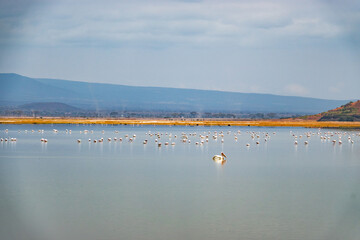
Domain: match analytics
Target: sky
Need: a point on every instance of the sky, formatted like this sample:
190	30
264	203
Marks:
298	48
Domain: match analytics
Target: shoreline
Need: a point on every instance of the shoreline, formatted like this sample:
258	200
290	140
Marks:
183	122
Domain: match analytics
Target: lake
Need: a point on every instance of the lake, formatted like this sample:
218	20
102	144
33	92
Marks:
62	189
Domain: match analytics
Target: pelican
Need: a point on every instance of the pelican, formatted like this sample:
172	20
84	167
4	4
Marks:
219	158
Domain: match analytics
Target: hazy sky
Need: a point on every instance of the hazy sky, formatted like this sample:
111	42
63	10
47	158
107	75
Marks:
303	48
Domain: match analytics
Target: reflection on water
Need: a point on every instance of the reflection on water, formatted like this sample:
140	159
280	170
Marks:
126	189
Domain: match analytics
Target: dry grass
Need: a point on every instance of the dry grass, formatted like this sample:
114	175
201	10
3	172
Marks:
187	122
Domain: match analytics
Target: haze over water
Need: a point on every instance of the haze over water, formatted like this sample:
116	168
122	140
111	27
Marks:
129	190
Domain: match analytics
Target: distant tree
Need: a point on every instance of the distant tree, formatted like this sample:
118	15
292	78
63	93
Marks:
114	114
271	115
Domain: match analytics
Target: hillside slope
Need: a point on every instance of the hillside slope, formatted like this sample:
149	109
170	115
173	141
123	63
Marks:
347	112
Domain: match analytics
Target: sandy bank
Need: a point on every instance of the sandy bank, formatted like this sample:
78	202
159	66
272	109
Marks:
181	122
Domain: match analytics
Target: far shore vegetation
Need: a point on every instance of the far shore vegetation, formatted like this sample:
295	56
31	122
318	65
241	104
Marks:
345	116
183	122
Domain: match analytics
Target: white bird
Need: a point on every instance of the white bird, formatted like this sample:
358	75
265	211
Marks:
220	158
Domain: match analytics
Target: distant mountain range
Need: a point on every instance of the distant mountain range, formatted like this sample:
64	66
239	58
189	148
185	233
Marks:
17	90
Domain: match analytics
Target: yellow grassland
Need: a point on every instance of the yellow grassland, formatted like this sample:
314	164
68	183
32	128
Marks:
184	122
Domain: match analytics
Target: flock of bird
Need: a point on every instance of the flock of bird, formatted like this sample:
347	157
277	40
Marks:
204	137
334	137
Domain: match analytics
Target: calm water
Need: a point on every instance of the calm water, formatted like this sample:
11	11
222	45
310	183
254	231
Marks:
127	190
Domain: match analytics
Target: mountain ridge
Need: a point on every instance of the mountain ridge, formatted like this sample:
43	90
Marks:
17	89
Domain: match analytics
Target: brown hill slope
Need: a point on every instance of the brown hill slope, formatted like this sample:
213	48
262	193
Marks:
348	112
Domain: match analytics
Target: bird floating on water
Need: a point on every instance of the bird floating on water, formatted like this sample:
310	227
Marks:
220	158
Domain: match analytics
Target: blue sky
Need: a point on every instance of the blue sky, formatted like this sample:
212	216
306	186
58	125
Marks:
302	48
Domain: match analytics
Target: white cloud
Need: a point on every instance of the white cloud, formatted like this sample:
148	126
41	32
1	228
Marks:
169	22
276	46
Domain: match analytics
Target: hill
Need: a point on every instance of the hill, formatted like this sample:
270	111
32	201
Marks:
18	90
348	112
48	107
